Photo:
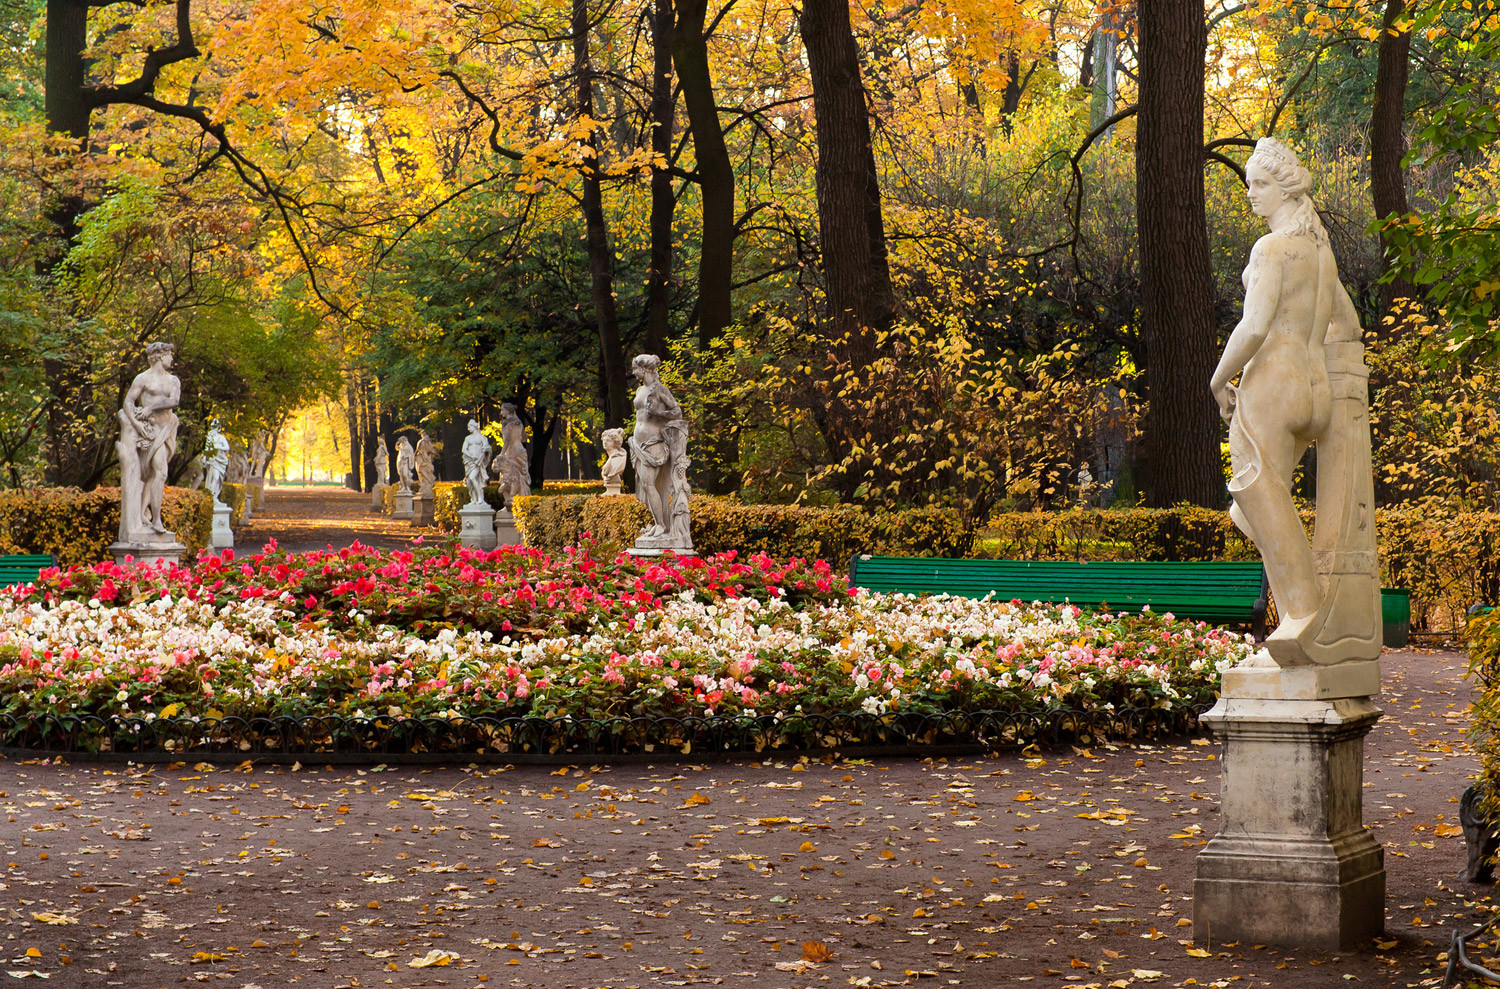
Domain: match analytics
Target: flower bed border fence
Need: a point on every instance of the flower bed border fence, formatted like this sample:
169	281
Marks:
335	738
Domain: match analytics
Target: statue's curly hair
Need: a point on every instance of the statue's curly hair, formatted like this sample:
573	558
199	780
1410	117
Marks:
160	347
1293	179
649	361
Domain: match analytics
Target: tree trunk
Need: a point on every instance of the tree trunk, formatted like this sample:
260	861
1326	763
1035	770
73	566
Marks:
371	436
850	223
601	258
351	416
714	171
1388	138
1179	332
663	198
543	429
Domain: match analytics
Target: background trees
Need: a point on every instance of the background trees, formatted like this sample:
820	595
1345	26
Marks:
817	211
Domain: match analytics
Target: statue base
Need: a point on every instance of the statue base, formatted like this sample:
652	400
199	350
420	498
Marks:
221	536
476	526
160	551
1293	863
255	492
657	545
421	508
403	505
612	488
506	533
377	496
1260	677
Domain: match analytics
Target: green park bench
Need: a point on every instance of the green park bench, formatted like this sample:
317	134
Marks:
1217	593
23	568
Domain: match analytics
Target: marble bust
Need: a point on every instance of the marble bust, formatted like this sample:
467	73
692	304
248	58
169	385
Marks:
148	439
615	459
658	446
476	456
1302	380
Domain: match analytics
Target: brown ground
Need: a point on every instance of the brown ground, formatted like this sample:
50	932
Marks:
302	519
975	872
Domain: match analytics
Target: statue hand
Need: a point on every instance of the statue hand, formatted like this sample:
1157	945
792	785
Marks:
1228	399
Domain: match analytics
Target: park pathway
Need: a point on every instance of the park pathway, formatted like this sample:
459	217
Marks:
1062	868
309	518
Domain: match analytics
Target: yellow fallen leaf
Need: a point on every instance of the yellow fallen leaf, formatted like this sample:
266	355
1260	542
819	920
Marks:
1385	945
697	800
816	951
436	958
1184	922
1025	796
1448	830
56	919
1198	952
170	711
771	822
204	767
920	912
200	957
807	846
33	953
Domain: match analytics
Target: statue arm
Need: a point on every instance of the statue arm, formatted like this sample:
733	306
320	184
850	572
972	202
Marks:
1262	295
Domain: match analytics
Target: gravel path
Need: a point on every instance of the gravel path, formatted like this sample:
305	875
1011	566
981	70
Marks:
302	519
1069	868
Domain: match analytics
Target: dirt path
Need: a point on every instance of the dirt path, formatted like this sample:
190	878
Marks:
302	519
978	872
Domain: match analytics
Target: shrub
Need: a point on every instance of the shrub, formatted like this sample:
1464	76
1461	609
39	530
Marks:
572	487
450	496
233	495
77	527
722	524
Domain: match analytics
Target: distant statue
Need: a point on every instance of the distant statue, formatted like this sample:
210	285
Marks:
192	477
659	448
405	463
425	455
476	457
239	465
1085	484
382	462
1302	380
260	455
512	466
216	455
616	458
148	438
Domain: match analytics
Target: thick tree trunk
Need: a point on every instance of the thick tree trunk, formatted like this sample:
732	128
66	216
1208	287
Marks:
352	404
850	223
714	171
1388	136
1179	332
543	429
663	198
370	436
601	258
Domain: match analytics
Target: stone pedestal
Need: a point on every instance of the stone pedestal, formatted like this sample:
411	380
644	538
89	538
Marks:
255	492
657	545
611	487
476	526
221	536
160	553
421	508
403	505
377	496
506	533
1293	863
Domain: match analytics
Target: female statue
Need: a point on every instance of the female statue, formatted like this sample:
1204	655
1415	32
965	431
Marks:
424	455
659	448
148	438
615	459
1298	326
512	465
476	455
405	463
217	455
382	462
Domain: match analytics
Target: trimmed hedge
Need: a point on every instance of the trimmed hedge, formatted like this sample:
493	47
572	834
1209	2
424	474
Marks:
572	487
233	495
77	527
721	524
450	496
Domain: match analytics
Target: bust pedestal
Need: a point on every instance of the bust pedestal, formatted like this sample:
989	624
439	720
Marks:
221	536
1293	863
657	545
162	552
476	526
255	492
377	496
506	533
612	486
421	508
403	505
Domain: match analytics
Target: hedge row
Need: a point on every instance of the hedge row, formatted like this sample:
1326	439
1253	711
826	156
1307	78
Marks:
721	524
77	527
233	495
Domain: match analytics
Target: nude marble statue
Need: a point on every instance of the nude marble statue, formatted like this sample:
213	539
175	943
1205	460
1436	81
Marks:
658	445
148	438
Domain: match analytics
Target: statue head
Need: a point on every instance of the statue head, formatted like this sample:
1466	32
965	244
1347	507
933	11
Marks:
509	412
646	367
613	439
473	425
160	354
1273	177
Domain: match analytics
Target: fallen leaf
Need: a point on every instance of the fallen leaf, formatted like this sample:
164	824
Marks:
436	958
816	951
56	919
1198	952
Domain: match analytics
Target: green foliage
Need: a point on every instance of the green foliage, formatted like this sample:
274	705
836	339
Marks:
77	527
233	495
723	524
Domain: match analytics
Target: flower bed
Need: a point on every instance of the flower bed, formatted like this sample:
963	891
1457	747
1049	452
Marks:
386	638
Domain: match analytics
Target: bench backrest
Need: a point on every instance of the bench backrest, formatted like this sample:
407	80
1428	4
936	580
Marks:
1211	592
23	568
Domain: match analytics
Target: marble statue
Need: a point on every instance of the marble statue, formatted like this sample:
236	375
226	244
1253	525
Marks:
1302	380
192	477
658	446
616	458
216	452
405	464
239	465
476	456
148	438
260	455
512	466
382	462
425	455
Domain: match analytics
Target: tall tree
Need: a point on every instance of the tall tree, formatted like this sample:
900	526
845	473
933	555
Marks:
714	173
1388	136
1178	328
663	196
851	224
